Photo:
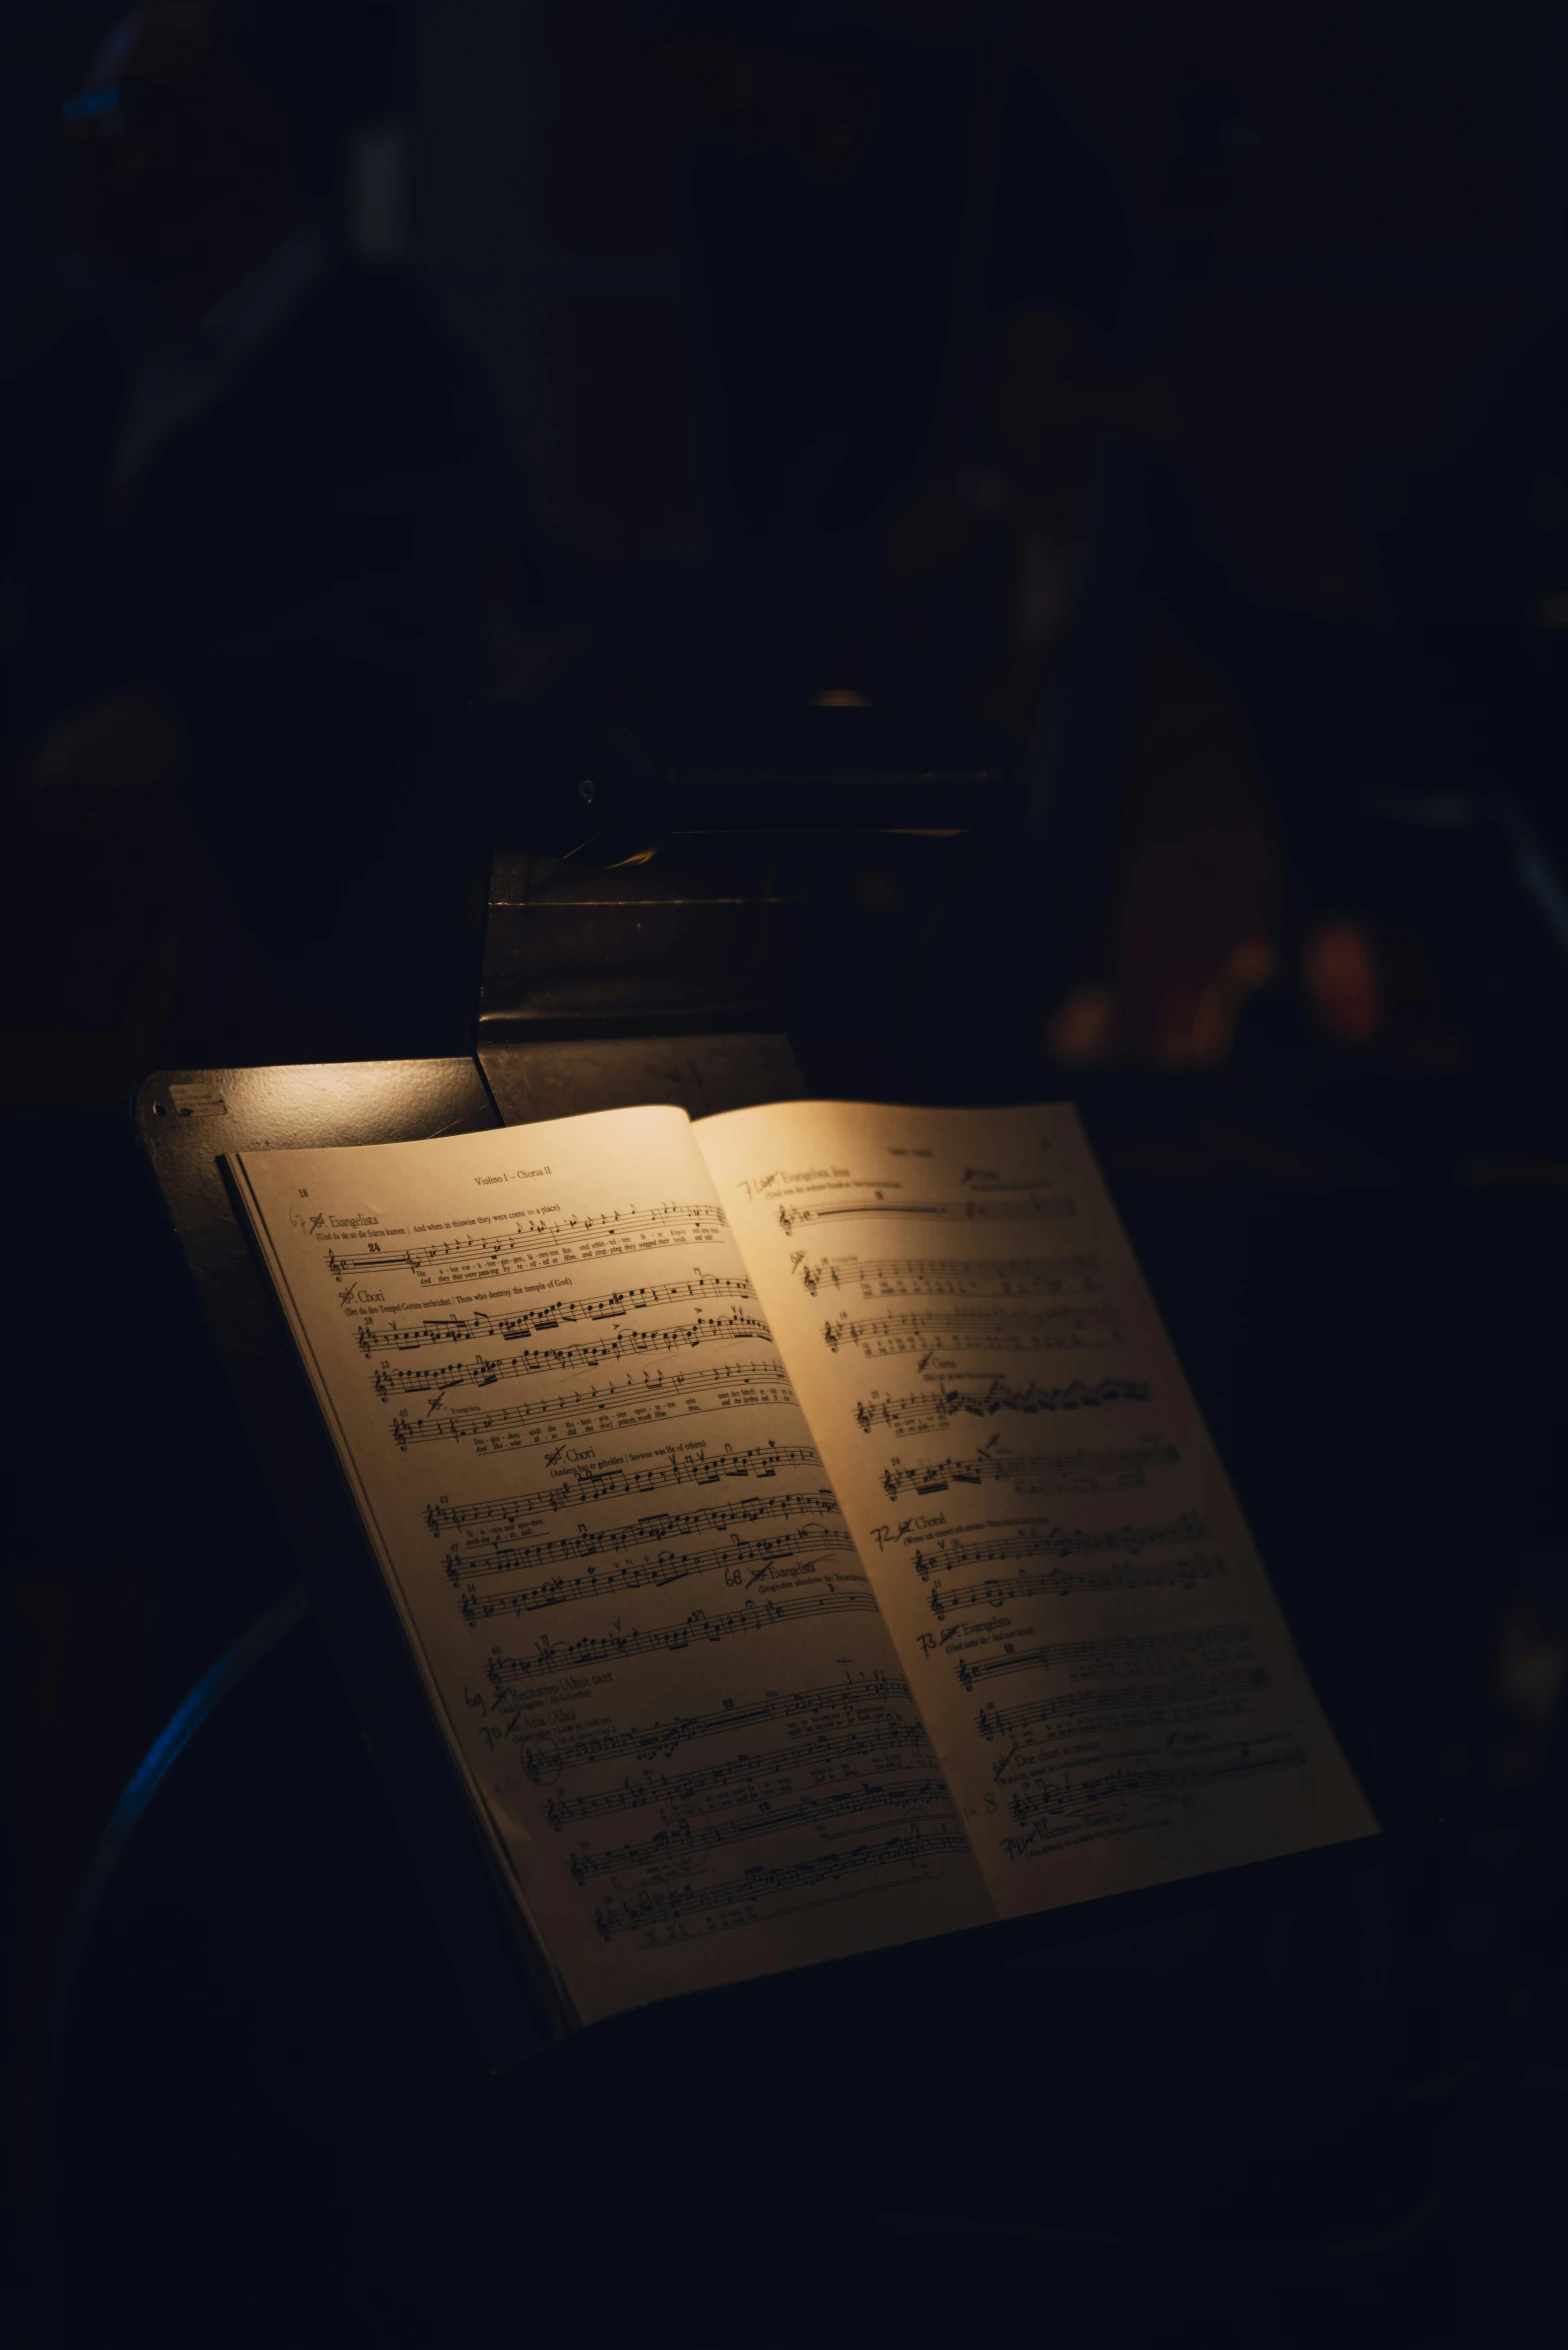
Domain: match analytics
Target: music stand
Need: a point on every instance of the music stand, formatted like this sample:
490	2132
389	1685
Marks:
647	947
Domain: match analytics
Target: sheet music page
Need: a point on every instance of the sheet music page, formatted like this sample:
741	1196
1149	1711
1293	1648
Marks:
1073	1593
615	1550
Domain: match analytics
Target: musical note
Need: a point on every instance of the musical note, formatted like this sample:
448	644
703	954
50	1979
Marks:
668	1526
926	1414
843	1700
740	1901
891	1743
1086	1471
1032	1538
669	1639
535	1244
581	1411
1212	1645
534	1362
761	1553
986	1329
614	1481
1035	1207
1180	1574
690	1840
950	1276
613	1305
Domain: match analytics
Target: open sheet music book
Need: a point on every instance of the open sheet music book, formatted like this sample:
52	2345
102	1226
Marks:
802	1525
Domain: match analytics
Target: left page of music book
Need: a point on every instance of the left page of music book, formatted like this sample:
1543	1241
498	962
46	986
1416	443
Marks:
620	1564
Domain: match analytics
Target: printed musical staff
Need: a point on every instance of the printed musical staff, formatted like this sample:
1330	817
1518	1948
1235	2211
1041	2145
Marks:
1034	1207
669	1639
979	1329
1034	1538
1154	1778
927	1414
949	1276
772	1892
1178	1574
586	1411
1080	1710
537	1362
823	1705
1104	1470
666	1526
891	1743
760	1555
614	1482
539	1245
1154	1652
489	1329
691	1840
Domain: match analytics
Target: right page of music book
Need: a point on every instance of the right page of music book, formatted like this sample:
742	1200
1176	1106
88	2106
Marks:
1078	1605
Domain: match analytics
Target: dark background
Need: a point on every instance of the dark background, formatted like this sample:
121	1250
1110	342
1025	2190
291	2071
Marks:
1182	390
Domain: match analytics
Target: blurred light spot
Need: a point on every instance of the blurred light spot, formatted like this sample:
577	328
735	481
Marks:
375	193
1527	1670
877	890
90	102
1342	980
1082	1030
1200	1032
1448	810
